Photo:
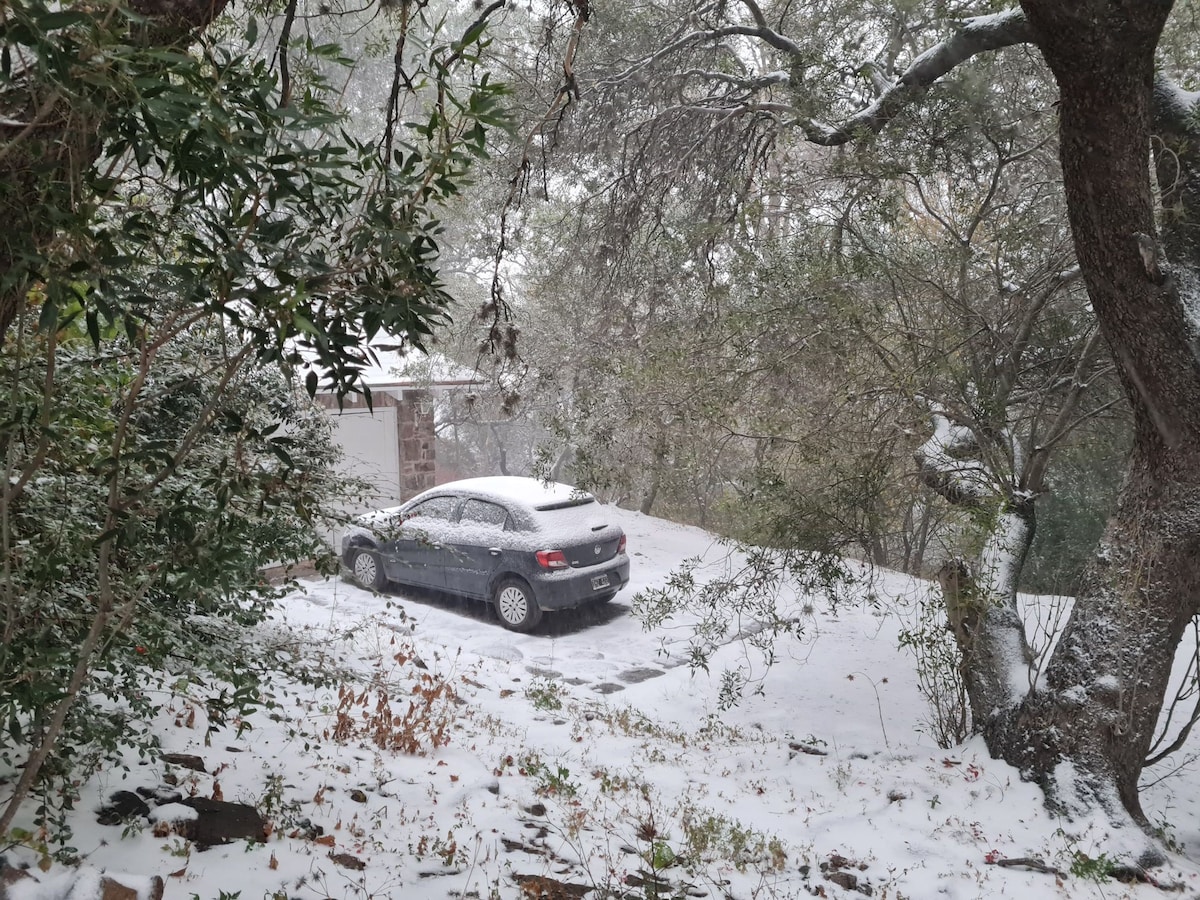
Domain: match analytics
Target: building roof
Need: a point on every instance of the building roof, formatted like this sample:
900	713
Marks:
411	368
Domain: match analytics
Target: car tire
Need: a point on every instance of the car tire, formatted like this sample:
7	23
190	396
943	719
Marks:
515	605
367	569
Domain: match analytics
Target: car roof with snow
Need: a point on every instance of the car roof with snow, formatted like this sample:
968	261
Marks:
531	493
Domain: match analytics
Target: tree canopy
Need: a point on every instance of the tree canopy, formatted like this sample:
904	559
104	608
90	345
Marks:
198	237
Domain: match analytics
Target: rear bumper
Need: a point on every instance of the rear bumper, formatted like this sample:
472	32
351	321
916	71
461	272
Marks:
568	588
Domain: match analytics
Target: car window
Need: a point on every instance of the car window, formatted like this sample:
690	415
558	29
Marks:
484	513
433	508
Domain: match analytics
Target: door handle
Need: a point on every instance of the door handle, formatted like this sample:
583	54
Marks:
495	551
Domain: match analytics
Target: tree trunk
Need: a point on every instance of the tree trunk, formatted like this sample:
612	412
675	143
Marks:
1099	701
1103	689
657	465
502	461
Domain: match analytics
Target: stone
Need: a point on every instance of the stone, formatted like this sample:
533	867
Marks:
848	880
186	760
162	794
543	887
112	889
121	807
220	822
640	674
810	749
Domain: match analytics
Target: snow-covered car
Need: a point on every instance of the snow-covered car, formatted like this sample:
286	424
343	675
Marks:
523	544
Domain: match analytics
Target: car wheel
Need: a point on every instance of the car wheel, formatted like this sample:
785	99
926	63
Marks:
367	568
516	606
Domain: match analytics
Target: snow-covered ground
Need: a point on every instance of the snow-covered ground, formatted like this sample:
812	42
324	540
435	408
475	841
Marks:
589	755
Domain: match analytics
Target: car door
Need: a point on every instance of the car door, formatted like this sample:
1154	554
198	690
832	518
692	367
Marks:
477	548
417	555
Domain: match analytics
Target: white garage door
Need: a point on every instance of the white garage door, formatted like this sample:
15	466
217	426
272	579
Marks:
372	451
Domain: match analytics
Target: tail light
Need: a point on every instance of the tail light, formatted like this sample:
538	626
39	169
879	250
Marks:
552	559
621	545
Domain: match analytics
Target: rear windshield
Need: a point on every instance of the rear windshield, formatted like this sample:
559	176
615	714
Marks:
575	522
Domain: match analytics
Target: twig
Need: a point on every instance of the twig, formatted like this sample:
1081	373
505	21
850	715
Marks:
878	705
1027	862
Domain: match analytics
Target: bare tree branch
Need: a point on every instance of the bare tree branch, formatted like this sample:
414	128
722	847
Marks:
285	71
1035	471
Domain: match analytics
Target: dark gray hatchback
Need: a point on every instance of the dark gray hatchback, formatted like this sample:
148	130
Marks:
525	545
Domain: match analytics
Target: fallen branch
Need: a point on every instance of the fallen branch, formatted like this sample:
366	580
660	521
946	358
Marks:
1027	862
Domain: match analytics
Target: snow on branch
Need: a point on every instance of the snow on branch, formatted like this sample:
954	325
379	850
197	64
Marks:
980	34
1172	104
975	35
1003	639
947	464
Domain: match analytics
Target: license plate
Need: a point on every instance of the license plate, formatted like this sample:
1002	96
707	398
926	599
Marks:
600	581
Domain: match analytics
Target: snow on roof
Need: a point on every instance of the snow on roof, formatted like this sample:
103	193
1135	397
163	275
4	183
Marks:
408	367
395	367
527	491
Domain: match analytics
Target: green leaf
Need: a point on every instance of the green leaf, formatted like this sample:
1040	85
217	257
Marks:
48	317
304	324
93	327
473	33
55	21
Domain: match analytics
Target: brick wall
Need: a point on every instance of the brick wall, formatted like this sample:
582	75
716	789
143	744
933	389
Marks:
418	459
